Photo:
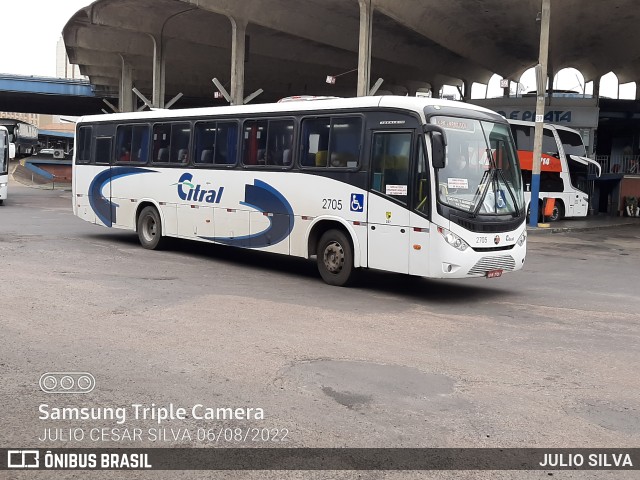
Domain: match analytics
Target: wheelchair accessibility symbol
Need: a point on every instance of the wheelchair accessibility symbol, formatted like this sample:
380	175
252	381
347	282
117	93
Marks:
357	202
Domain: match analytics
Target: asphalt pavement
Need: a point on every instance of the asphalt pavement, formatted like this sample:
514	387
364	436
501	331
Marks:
546	357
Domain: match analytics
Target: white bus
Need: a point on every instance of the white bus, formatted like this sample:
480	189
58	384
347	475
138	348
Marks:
564	167
358	183
7	152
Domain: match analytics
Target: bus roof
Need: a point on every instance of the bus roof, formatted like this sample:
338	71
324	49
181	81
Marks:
416	104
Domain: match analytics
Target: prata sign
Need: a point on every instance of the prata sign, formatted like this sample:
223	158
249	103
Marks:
576	117
562	111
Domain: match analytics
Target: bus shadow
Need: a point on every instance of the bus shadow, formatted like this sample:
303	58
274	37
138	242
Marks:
415	289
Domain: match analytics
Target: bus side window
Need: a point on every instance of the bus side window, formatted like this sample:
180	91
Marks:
314	144
161	142
103	150
83	153
180	138
140	144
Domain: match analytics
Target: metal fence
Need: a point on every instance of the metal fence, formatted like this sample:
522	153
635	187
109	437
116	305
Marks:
622	164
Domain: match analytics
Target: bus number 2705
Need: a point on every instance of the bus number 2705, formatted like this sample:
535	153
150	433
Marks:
331	204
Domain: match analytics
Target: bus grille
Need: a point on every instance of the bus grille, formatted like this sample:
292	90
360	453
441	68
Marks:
485	264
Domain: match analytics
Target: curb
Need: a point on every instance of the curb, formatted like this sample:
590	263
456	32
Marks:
551	230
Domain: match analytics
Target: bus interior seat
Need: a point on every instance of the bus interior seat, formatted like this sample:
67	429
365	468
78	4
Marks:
342	159
206	156
321	158
182	155
163	155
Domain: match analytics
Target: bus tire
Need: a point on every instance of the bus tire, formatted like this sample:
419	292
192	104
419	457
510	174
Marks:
335	258
150	229
1	202
558	212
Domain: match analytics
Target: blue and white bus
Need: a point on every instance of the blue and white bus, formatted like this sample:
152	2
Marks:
419	186
7	152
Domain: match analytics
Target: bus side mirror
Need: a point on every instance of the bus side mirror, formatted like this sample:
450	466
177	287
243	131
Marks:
438	152
12	150
438	145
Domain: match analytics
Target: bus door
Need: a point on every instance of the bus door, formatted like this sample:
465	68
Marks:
101	184
388	217
420	212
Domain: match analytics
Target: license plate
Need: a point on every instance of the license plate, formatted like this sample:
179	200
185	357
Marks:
494	273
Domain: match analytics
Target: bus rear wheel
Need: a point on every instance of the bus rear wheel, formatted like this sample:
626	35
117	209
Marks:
150	229
558	212
335	258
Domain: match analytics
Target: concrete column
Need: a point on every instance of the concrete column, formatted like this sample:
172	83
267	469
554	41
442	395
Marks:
541	75
364	47
126	84
159	59
596	89
466	90
238	43
506	91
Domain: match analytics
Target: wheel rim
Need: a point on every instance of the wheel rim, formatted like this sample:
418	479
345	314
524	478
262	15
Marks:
149	228
333	257
556	213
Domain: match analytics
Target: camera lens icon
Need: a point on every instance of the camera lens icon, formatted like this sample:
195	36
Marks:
67	382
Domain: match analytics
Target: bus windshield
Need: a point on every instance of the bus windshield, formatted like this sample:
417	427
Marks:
4	147
572	143
482	175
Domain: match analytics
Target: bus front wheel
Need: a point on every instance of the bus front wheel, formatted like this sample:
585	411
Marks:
335	258
150	229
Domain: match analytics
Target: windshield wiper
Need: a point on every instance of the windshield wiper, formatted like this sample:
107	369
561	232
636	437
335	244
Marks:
513	198
488	173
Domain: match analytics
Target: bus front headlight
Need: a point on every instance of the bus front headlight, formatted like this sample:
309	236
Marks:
522	238
453	239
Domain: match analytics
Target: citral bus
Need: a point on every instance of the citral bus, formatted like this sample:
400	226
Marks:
370	182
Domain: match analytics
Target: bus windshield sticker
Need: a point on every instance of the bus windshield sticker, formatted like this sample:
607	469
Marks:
456	124
459	183
396	190
460	203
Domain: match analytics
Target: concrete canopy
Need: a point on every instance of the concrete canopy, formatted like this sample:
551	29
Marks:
293	45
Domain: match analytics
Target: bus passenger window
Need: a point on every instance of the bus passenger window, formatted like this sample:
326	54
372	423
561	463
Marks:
331	142
103	150
180	137
83	153
346	134
161	142
265	141
254	142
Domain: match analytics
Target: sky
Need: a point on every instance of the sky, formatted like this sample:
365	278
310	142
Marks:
34	26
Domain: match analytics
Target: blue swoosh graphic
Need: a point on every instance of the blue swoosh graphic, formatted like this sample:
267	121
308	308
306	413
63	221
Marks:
104	209
264	198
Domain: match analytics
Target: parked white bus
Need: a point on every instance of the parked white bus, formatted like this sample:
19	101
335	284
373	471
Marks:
564	167
7	152
359	182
